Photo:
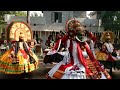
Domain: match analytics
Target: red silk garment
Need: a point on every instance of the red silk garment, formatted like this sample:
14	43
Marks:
92	59
96	63
23	53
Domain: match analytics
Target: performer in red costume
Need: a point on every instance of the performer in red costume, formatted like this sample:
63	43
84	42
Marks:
78	61
55	53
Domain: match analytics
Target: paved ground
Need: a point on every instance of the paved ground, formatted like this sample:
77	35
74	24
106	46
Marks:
116	74
42	71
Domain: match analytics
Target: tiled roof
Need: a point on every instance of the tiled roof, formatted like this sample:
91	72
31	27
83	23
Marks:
54	27
88	22
38	27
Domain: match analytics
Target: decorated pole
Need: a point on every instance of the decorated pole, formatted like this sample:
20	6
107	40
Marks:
28	17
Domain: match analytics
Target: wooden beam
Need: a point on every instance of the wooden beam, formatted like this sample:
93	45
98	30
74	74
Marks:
28	17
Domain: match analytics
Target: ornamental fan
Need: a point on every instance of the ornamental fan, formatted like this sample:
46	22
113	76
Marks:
14	29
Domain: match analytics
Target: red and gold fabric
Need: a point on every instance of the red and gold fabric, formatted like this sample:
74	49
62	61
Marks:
93	69
95	63
101	56
60	72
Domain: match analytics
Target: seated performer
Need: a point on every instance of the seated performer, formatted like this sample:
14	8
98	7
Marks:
78	61
54	55
19	58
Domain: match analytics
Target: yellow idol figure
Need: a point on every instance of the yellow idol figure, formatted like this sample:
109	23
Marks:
19	58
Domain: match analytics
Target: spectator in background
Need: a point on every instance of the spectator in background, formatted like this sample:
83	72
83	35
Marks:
32	44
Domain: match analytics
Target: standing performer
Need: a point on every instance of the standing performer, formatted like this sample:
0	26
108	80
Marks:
3	44
19	58
78	61
107	50
2	38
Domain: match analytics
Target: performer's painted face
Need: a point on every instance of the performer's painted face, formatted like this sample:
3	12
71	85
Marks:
80	30
21	36
108	38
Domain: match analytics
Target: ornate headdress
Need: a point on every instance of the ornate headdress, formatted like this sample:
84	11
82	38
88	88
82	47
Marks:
107	35
72	24
74	28
14	29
